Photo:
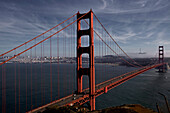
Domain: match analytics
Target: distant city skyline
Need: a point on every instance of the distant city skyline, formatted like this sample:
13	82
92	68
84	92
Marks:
134	24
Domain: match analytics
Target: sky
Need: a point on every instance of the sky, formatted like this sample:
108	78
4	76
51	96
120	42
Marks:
134	24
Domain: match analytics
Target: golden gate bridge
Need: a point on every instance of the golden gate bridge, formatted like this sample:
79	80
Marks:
81	41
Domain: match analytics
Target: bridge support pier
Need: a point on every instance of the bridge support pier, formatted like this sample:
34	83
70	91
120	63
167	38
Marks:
90	71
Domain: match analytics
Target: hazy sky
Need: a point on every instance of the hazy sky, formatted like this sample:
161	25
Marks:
134	24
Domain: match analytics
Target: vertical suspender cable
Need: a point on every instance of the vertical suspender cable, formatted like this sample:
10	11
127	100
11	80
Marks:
65	59
58	78
41	76
26	78
43	73
5	88
75	66
71	51
50	69
15	86
31	76
35	71
19	85
3	101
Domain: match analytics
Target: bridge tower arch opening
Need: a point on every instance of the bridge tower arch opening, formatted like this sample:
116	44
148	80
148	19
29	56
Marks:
90	71
161	59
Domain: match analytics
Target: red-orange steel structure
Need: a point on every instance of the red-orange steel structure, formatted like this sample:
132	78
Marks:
90	71
101	88
161	58
94	90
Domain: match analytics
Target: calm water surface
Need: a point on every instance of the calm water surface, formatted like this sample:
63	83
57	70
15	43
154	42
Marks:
142	89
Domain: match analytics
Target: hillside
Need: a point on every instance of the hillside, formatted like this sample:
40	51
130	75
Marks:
131	108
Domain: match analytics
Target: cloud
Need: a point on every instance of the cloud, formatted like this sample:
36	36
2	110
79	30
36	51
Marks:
161	37
104	4
124	37
131	23
160	41
133	6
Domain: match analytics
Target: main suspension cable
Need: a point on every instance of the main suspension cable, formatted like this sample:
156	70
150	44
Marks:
36	36
115	41
111	48
43	39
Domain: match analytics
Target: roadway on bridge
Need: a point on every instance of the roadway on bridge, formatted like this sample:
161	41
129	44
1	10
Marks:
101	88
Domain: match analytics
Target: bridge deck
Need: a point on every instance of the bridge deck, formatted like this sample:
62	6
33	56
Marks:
100	89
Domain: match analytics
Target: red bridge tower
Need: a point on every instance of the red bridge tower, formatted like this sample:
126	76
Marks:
161	59
90	71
